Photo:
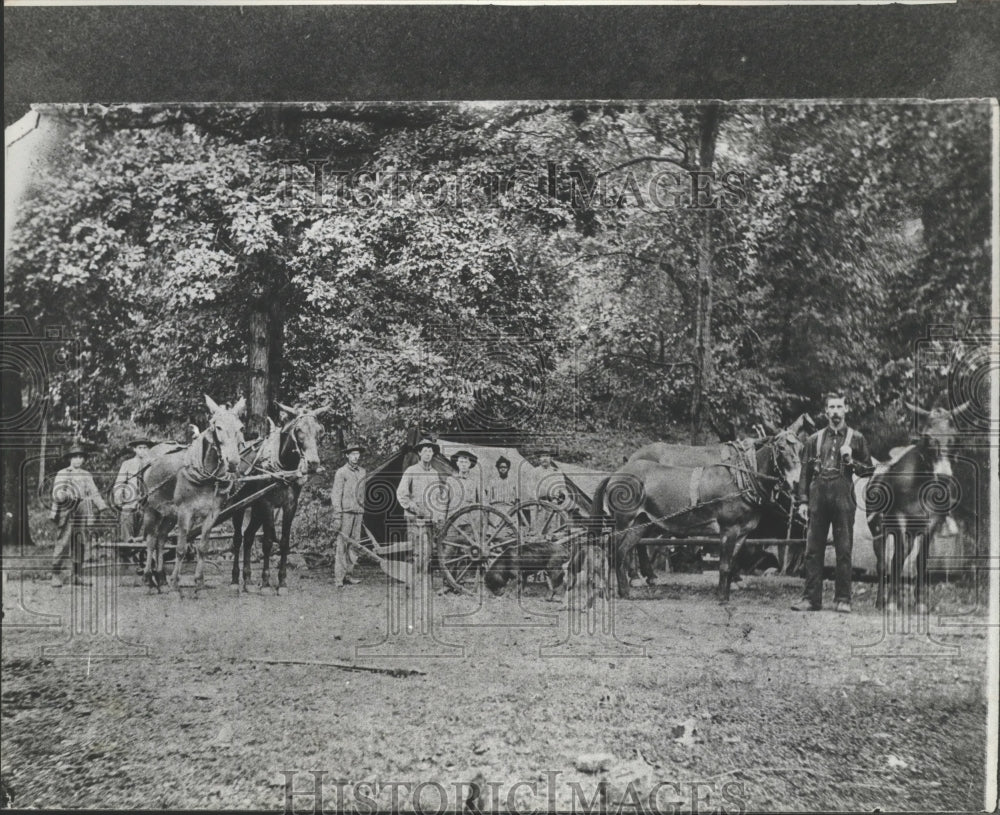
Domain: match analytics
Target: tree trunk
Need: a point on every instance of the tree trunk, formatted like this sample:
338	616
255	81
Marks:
265	357
259	363
704	371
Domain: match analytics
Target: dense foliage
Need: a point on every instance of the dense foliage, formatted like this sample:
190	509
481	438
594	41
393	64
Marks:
510	265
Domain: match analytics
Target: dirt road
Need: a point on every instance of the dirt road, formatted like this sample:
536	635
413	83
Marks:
670	698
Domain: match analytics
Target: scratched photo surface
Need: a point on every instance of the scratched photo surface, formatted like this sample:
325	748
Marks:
472	456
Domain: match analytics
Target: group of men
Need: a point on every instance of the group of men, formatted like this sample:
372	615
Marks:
76	503
427	495
831	458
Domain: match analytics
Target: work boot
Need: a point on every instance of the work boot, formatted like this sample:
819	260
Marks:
842	607
350	581
804	605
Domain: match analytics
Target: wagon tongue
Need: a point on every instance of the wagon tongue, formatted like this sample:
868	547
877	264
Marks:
399	570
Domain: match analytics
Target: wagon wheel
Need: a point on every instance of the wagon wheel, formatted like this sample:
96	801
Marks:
470	542
540	524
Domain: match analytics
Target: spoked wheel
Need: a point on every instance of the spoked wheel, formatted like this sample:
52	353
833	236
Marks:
470	542
540	520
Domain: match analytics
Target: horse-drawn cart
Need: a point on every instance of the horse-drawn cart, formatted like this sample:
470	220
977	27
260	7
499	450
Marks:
484	544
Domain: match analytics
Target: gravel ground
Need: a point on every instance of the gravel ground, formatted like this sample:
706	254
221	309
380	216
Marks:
669	698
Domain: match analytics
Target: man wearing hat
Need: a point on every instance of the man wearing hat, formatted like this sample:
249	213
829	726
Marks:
463	487
348	497
422	491
126	494
74	501
502	489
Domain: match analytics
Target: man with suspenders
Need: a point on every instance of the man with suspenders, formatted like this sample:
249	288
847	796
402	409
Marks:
826	495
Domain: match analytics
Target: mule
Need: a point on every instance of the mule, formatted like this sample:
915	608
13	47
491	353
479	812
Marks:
188	487
289	456
719	498
909	501
778	519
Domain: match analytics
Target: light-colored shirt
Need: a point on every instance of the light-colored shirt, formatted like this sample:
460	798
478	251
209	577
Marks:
74	492
126	492
502	490
348	492
423	491
463	491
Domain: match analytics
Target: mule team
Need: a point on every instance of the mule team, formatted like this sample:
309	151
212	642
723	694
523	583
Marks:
674	490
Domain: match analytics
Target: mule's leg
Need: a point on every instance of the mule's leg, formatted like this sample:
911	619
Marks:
237	546
162	531
628	539
183	528
287	515
878	544
201	549
248	537
646	564
901	543
921	584
149	528
726	547
267	519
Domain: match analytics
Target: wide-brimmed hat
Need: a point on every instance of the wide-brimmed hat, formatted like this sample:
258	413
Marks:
457	455
76	449
427	443
354	445
140	440
502	460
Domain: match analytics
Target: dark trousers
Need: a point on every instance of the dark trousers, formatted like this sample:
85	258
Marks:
830	503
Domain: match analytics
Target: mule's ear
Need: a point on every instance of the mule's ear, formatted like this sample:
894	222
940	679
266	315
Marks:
917	410
289	410
212	406
321	410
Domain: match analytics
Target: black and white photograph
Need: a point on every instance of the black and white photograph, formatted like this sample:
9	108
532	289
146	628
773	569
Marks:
618	453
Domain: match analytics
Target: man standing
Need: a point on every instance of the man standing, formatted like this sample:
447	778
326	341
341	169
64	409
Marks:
421	491
348	496
75	501
831	457
502	489
463	487
126	493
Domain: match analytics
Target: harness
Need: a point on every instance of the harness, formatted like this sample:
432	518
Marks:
748	483
269	462
827	474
